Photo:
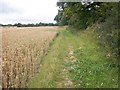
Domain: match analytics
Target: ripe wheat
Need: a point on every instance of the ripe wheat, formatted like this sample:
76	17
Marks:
22	49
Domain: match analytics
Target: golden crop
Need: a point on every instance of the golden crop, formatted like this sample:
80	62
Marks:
22	49
0	57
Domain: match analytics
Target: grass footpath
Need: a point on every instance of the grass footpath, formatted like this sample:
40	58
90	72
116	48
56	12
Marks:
76	60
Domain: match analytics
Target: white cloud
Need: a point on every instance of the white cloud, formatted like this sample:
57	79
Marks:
28	11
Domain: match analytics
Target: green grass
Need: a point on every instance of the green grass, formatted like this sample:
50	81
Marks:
51	64
91	69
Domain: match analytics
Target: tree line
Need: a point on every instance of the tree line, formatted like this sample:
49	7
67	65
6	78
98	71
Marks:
104	16
83	14
28	25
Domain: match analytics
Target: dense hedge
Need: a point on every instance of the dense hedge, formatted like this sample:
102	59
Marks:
103	15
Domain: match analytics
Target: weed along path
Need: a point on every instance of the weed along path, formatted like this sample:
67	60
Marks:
65	81
75	60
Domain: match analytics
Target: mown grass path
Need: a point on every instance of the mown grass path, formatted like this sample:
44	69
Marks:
76	60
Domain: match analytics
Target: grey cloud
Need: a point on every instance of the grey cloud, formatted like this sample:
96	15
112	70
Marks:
88	0
5	8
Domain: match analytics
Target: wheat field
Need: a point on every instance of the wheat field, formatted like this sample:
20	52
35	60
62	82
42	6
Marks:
22	50
0	58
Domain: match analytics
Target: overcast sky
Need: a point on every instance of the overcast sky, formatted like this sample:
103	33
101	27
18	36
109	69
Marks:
27	11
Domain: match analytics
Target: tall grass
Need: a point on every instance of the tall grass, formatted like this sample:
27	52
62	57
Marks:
89	65
93	67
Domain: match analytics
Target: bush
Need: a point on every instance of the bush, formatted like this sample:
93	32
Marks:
108	34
